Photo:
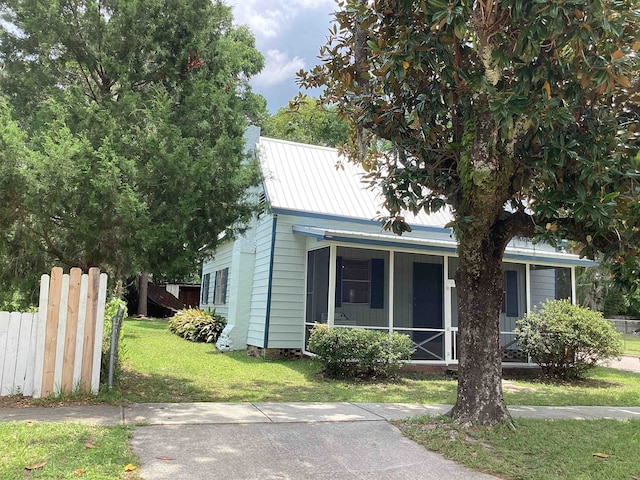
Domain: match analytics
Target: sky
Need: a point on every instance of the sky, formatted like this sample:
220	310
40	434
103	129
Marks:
289	33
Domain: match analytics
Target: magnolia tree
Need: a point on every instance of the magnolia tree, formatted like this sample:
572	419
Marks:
518	116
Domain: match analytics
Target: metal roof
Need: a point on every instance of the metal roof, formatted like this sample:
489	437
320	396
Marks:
308	178
431	244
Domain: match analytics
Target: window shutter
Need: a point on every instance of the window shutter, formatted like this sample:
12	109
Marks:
215	287
512	293
377	283
338	281
205	288
226	282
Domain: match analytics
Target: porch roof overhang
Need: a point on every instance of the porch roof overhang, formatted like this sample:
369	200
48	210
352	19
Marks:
432	245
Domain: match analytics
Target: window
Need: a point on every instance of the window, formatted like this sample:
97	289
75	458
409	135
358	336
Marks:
510	297
356	281
220	287
205	288
360	282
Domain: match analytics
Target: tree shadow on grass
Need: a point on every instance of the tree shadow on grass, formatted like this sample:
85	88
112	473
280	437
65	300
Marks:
303	384
140	387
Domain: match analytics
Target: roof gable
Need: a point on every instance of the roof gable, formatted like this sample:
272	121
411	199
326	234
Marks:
308	178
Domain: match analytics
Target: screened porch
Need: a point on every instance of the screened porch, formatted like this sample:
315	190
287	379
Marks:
414	293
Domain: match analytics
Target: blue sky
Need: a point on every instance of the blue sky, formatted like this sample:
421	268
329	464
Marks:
289	33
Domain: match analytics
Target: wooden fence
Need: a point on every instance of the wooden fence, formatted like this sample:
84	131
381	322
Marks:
58	348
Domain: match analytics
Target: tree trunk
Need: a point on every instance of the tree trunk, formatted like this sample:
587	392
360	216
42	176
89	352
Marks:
143	291
479	285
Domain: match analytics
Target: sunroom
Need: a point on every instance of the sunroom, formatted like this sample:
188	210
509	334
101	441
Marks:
406	285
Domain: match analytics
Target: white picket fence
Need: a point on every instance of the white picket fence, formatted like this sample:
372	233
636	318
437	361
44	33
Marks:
58	348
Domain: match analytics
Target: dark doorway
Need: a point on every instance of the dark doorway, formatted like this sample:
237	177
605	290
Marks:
428	279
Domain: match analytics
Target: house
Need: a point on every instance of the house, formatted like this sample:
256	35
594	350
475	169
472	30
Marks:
316	253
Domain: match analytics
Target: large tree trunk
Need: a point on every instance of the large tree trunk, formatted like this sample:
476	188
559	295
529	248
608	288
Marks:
479	285
143	291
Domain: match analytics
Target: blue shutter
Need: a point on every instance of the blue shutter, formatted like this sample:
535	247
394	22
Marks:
512	293
226	282
215	287
205	288
377	283
338	281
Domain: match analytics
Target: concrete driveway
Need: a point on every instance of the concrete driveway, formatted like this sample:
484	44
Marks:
362	450
284	441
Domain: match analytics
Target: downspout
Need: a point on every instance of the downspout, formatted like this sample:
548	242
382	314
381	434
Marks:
273	248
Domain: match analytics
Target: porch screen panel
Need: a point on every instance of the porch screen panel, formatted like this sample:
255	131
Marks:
317	288
549	283
377	283
362	291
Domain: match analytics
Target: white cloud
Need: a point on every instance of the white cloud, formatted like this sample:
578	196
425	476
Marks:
279	68
268	18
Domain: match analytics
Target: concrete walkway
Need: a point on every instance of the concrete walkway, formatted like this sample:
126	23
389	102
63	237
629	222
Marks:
284	441
146	414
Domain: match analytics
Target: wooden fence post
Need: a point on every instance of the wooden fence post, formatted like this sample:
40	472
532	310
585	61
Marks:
51	332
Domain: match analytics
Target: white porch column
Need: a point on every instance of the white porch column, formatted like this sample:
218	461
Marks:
527	281
331	307
447	311
392	268
574	295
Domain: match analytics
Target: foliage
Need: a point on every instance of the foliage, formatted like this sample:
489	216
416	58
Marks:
354	352
307	120
110	312
197	325
122	133
517	117
567	340
615	302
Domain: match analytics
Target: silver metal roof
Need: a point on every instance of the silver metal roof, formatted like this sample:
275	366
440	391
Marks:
308	178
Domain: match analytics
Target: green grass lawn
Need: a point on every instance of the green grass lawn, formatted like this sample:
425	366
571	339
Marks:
161	367
64	450
631	344
537	449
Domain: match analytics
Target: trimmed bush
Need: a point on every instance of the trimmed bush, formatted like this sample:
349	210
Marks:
197	325
354	352
567	340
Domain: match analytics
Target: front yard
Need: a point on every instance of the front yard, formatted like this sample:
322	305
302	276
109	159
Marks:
161	367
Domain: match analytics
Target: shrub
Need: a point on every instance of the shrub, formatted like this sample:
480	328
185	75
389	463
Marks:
197	325
353	352
567	340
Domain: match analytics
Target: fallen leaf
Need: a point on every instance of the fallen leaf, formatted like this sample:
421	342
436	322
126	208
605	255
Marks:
163	457
79	471
601	455
35	466
617	54
129	467
474	454
89	445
